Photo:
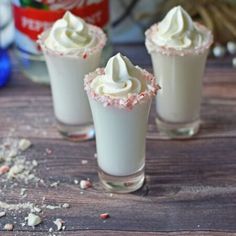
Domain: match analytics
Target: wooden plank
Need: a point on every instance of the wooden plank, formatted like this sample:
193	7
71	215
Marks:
122	233
27	106
190	186
32	116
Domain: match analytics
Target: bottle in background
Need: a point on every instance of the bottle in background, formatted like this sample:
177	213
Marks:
6	37
5	67
6	24
34	16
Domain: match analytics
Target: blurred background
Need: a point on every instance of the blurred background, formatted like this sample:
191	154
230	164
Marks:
130	18
125	21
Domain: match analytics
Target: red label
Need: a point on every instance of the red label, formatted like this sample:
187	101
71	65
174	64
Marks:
32	21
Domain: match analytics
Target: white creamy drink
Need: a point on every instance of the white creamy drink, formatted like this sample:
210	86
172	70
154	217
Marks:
178	48
72	48
120	97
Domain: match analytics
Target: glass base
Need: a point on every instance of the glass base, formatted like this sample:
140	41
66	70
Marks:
178	130
33	66
76	133
122	184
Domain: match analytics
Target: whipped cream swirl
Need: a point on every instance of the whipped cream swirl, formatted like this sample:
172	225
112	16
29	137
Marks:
120	80
69	34
178	31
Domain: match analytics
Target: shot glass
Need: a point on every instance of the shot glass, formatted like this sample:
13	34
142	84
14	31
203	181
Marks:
121	127
67	71
179	73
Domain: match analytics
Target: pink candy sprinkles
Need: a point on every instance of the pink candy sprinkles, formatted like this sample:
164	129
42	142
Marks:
152	47
122	103
79	52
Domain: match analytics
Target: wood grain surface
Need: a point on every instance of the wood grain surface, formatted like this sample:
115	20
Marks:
190	186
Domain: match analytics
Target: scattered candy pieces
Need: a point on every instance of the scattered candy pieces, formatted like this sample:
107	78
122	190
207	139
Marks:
52	207
34	163
8	227
24	144
2	213
15	163
84	162
84	184
59	223
36	209
12	153
55	184
104	216
4	169
23	191
15	170
33	219
48	151
66	205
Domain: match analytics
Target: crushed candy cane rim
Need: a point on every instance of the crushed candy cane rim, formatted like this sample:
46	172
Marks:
122	103
84	52
152	47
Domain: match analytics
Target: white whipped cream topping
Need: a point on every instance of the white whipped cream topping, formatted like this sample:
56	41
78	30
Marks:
120	80
69	34
177	30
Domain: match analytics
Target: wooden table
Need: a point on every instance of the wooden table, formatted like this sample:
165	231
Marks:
190	185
